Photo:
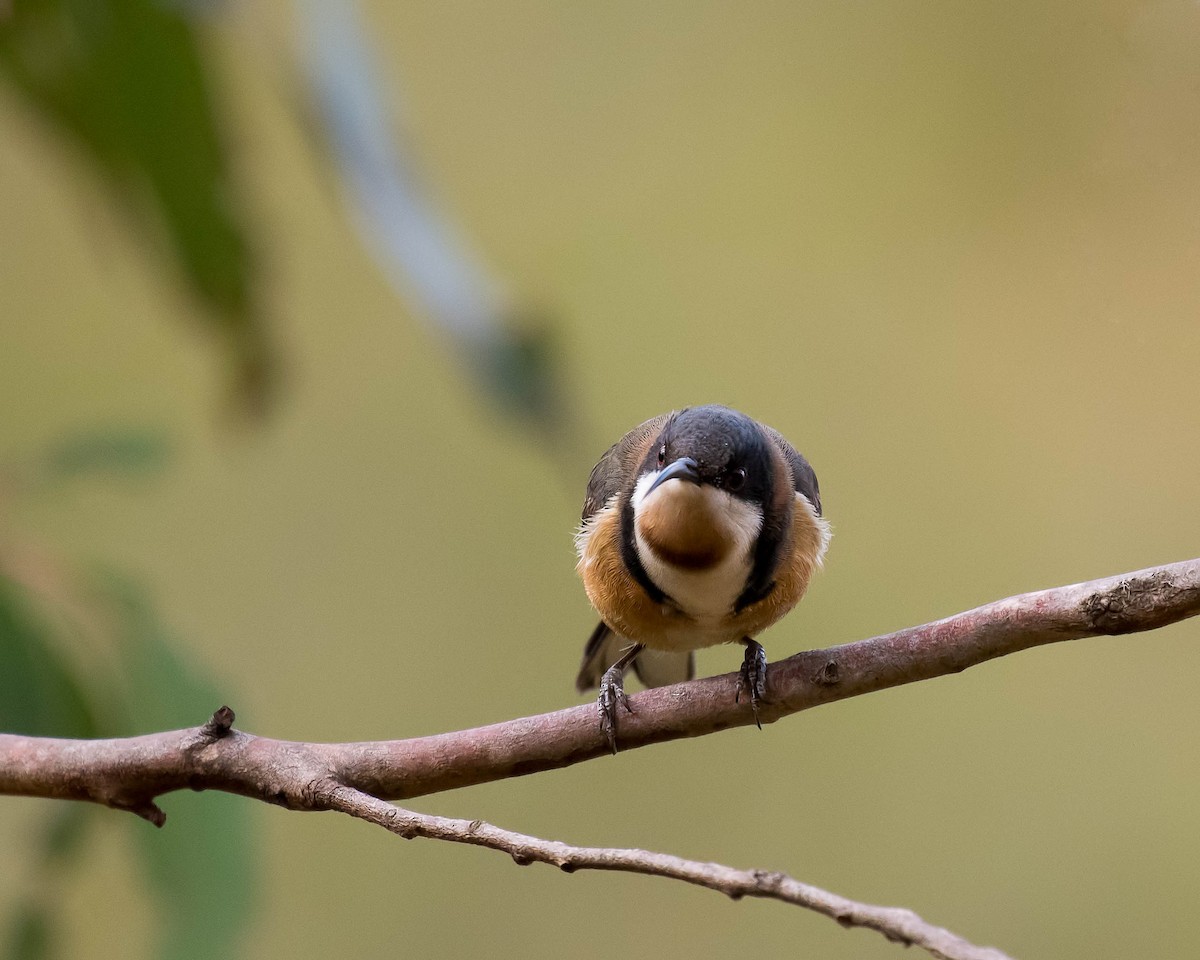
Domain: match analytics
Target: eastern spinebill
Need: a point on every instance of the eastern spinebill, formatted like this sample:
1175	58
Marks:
701	526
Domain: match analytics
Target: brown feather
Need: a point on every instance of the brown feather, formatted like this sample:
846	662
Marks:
681	529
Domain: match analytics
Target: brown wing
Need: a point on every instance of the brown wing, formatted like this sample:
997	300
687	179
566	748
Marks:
619	463
803	477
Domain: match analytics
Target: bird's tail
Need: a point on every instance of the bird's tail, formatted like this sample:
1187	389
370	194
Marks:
655	668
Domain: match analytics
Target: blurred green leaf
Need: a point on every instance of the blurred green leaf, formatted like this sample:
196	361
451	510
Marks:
30	935
518	366
65	832
38	693
200	867
113	449
128	79
31	927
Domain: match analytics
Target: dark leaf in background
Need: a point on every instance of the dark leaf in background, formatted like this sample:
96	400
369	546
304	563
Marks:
65	833
518	366
200	866
127	80
39	694
30	935
31	926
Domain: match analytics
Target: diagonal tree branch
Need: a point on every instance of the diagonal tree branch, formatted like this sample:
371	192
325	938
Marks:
131	772
357	777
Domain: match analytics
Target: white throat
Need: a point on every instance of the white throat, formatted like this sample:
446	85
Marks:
711	592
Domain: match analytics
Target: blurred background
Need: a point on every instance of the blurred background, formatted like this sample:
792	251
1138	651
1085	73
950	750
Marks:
315	316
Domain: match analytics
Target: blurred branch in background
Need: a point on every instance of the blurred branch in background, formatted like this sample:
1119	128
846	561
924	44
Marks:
508	350
357	778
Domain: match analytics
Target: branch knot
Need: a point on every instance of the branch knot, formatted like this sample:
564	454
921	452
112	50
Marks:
219	724
1127	605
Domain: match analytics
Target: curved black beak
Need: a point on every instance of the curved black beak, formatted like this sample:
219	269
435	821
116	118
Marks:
684	468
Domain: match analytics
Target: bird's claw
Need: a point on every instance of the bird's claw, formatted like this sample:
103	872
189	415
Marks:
753	677
612	693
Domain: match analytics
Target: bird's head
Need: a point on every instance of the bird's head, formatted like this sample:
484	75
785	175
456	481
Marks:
702	489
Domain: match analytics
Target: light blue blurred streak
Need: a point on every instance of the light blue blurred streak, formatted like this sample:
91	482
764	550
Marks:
426	259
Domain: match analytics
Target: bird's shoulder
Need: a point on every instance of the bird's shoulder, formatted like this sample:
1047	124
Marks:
804	478
619	463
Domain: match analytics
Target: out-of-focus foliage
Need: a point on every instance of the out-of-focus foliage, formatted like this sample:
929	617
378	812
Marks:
130	81
113	451
39	693
32	924
199	870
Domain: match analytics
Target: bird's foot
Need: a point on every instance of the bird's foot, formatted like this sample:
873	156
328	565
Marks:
752	678
612	693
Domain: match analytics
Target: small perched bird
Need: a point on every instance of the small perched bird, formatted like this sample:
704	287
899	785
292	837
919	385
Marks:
701	526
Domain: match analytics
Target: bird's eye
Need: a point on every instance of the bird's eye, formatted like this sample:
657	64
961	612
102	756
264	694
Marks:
662	454
735	480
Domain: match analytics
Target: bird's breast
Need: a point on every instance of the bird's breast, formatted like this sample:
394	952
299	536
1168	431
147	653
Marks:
682	526
700	613
696	544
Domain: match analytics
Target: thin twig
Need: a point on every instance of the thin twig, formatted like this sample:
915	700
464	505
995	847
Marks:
896	923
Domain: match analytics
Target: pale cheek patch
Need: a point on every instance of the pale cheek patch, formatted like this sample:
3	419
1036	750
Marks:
645	482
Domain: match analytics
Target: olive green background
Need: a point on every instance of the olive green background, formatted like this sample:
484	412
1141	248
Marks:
952	251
